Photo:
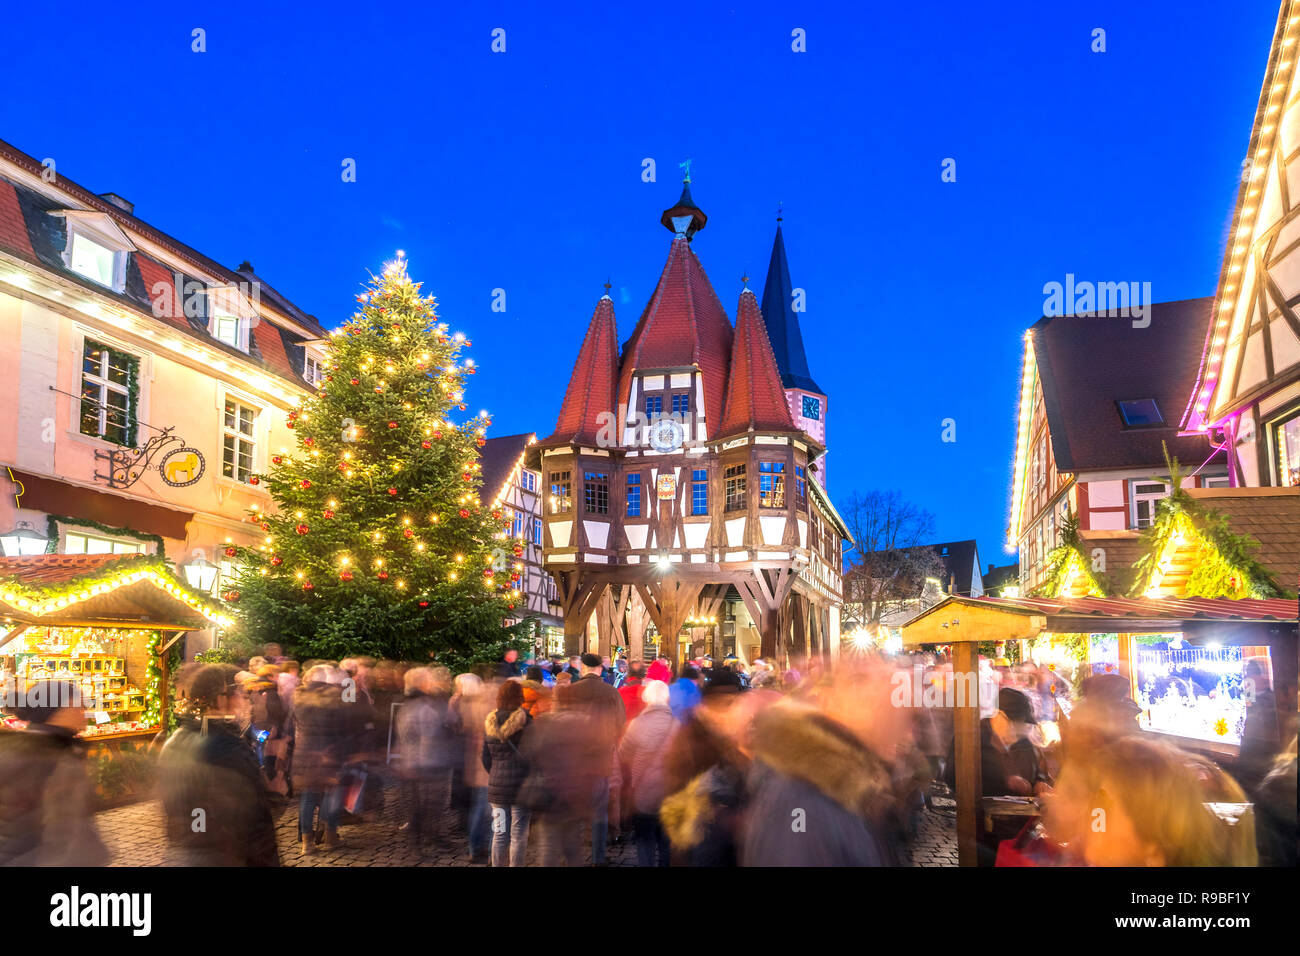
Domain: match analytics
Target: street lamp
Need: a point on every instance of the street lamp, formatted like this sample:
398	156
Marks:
200	573
23	541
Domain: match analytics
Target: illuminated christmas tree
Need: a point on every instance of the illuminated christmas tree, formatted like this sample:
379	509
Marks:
379	543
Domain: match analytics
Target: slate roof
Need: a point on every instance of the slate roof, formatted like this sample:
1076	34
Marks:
30	230
1000	576
591	386
960	562
1087	363
755	398
783	322
497	459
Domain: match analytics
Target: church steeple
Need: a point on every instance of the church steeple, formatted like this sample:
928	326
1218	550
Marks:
783	322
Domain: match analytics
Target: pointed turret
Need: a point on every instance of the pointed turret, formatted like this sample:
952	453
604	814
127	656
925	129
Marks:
783	322
591	389
683	324
755	398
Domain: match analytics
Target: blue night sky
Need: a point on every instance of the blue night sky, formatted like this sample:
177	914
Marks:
523	171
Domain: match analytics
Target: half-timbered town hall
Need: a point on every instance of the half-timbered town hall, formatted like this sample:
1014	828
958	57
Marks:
685	476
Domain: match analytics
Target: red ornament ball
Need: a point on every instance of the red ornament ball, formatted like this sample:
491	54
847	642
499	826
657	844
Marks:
424	604
276	560
382	575
309	442
519	552
306	585
231	596
306	483
354	381
437	436
254	480
277	459
426	445
379	389
392	424
481	441
231	552
302	529
408	532
345	575
392	491
464	512
288	424
468	476
327	513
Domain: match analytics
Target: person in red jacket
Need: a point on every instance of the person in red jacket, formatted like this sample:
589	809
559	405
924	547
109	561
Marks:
630	690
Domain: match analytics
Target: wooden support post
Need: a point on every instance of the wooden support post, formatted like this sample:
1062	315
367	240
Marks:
966	749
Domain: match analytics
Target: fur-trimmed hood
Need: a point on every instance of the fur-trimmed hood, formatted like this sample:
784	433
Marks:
516	722
802	742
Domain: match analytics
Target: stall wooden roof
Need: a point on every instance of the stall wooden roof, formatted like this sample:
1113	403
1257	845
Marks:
1001	619
100	590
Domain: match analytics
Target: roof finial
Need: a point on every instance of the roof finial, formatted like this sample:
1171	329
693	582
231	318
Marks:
686	166
608	286
779	207
744	281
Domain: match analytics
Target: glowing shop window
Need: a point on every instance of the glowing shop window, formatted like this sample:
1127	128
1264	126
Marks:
92	544
1190	691
1288	452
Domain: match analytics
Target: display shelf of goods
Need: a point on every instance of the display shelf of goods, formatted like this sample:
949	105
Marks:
95	660
1193	692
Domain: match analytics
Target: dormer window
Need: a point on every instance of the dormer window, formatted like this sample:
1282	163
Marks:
96	248
312	369
231	316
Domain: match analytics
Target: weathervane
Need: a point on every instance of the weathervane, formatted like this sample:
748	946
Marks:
686	166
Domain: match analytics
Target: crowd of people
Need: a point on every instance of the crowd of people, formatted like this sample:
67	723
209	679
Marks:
705	764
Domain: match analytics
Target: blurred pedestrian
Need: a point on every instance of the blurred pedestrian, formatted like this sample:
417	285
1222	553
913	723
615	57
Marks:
603	707
470	706
642	752
503	736
422	729
208	775
320	727
46	798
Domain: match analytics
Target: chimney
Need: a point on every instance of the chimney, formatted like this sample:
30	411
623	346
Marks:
122	204
245	266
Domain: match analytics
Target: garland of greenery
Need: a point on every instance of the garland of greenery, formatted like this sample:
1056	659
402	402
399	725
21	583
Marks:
1224	564
153	681
1068	555
131	364
52	523
109	573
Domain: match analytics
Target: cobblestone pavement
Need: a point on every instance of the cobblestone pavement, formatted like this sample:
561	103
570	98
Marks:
134	837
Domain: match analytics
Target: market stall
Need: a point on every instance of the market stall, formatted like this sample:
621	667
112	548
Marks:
105	623
1193	665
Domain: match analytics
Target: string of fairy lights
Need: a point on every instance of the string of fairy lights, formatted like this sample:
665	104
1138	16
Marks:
334	478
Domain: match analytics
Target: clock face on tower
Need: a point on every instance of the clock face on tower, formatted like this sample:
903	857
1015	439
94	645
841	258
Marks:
666	435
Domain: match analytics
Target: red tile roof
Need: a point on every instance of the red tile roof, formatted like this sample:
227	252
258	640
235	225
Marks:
52	570
683	324
755	397
13	227
271	346
170	308
591	386
1173	609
